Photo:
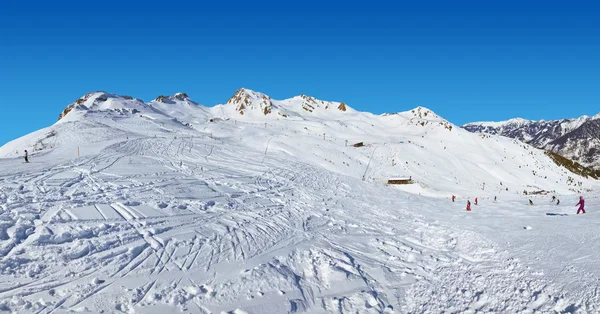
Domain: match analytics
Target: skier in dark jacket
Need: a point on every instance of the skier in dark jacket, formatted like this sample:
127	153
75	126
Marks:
468	205
530	202
26	157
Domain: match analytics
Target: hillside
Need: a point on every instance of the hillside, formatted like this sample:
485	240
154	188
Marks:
173	207
576	139
440	157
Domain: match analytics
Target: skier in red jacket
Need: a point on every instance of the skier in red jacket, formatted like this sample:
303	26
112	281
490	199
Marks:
476	201
581	204
468	205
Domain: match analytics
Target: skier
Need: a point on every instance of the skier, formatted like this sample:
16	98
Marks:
453	197
468	205
495	198
26	157
553	198
557	201
476	201
530	202
581	204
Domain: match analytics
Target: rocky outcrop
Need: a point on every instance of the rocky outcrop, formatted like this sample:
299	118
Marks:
245	100
96	101
172	99
64	112
79	103
164	99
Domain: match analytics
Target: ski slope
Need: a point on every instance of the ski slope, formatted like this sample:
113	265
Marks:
132	207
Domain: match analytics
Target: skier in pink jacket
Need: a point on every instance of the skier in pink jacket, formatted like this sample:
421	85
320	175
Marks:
581	204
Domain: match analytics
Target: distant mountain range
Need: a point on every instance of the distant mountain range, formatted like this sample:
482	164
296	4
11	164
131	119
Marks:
578	139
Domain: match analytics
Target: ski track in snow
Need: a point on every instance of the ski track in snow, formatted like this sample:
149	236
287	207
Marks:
185	224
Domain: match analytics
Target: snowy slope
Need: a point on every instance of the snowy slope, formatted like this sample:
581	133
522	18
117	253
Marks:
411	144
164	211
181	107
573	138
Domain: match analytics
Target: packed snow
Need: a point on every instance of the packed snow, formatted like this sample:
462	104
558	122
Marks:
284	207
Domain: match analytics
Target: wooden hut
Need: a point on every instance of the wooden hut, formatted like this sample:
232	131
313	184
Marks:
401	180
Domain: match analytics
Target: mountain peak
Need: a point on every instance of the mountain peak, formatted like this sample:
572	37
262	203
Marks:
171	99
310	103
420	110
419	116
103	101
246	99
500	124
244	93
181	96
84	102
519	120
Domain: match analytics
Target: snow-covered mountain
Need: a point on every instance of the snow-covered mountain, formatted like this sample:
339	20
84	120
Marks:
416	143
260	205
576	139
248	104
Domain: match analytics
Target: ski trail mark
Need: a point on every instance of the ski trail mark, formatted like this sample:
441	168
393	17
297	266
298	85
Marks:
193	260
145	293
136	265
136	254
58	304
169	258
125	215
100	211
90	294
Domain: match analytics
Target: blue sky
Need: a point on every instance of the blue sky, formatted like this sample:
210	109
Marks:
467	61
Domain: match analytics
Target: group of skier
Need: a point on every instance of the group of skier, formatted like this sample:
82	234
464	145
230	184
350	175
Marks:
581	203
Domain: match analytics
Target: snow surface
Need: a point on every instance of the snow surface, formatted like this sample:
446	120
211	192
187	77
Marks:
158	210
